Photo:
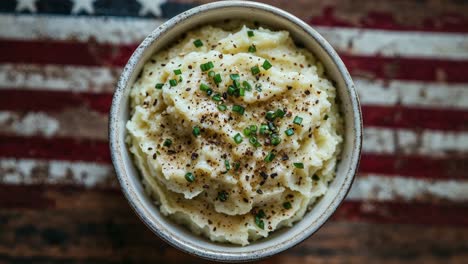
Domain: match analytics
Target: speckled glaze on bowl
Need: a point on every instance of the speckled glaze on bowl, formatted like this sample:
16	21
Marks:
129	178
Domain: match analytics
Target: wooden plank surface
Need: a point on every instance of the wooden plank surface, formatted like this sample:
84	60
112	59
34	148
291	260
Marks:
59	198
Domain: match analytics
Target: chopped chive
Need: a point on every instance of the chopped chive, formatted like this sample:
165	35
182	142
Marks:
297	120
258	87
237	84
264	129
266	65
167	143
279	113
252	48
222	107
250	33
180	79
190	177
207	66
325	117
211	74
198	43
228	166
216	97
275	140
289	132
315	177
255	70
246	85
270	115
204	87
272	126
236	165
259	222
223	196
287	205
196	131
241	92
253	129
209	92
217	78
238	109
159	86
269	157
231	90
234	77
298	165
246	132
258	219
238	138
254	141
173	82
177	72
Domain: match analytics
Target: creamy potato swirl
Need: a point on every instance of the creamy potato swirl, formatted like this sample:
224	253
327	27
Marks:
236	133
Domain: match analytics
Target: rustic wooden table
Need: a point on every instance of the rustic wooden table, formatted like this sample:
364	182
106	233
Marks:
59	199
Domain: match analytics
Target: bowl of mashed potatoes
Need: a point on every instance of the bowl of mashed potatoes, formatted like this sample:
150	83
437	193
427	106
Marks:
235	131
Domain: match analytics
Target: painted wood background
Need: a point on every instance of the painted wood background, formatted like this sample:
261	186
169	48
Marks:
59	199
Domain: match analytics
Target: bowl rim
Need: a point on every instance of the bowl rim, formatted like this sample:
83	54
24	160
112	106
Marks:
122	175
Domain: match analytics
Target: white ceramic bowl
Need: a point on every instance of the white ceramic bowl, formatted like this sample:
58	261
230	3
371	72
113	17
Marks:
129	178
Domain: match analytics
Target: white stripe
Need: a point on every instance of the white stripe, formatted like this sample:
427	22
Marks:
427	142
71	123
119	30
30	124
115	30
103	79
30	171
412	93
397	43
365	187
383	188
58	77
377	140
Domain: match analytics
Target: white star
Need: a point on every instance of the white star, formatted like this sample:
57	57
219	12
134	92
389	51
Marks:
29	5
151	6
83	5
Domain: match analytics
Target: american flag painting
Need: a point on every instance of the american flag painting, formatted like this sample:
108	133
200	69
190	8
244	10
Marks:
59	198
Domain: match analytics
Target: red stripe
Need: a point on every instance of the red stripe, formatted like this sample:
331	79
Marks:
63	53
54	148
24	197
92	54
42	100
422	69
380	116
453	22
36	197
454	167
404	213
415	118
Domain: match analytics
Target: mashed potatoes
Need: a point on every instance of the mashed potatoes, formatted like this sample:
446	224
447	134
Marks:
235	132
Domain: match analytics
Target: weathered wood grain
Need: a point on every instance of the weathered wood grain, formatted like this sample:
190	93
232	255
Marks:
110	235
425	210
